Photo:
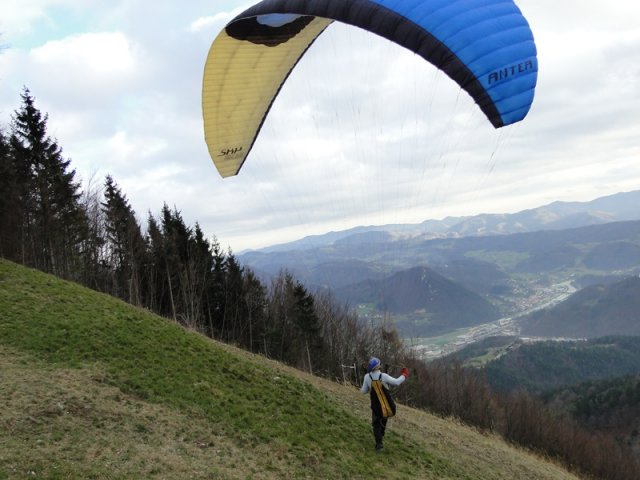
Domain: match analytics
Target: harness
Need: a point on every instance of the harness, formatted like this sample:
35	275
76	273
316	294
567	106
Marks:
381	401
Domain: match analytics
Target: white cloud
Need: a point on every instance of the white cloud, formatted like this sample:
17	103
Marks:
99	57
362	132
209	23
19	16
220	18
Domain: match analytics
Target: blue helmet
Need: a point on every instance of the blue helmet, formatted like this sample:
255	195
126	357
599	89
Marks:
373	364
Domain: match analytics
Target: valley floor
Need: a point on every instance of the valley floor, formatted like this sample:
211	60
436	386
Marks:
434	347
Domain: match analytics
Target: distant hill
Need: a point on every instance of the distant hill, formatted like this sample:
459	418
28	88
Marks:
594	382
613	255
438	303
479	276
340	274
595	311
93	388
542	366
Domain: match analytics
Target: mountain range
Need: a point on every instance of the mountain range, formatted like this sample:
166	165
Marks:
505	262
554	216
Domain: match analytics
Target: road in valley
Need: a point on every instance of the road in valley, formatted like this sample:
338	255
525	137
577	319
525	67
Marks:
434	347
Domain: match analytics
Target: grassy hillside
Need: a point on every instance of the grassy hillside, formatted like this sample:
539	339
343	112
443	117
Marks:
93	388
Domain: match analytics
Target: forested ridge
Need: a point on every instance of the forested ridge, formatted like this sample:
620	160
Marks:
94	237
542	366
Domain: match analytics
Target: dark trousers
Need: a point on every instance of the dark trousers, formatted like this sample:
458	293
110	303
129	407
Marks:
379	425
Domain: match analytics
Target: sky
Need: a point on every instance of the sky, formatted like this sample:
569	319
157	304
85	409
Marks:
362	133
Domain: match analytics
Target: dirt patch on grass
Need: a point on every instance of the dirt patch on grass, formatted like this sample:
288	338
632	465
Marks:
65	423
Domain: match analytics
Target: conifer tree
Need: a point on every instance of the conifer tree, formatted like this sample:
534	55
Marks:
278	337
9	203
234	299
216	290
307	328
186	258
202	268
174	246
53	223
126	245
157	299
194	276
255	297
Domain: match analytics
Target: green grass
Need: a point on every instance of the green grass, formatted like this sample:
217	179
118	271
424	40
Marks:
95	388
160	362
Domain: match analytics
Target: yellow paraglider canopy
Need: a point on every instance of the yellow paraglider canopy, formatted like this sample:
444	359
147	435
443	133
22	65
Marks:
241	79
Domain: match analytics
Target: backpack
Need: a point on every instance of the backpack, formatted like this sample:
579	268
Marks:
381	401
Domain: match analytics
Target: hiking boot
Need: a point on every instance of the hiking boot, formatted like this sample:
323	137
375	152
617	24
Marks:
379	446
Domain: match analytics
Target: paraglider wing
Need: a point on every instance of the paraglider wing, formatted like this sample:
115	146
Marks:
486	46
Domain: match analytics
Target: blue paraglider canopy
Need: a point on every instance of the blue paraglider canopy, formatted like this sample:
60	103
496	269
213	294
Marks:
486	46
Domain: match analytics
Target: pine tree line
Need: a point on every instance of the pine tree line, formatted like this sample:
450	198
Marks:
94	237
